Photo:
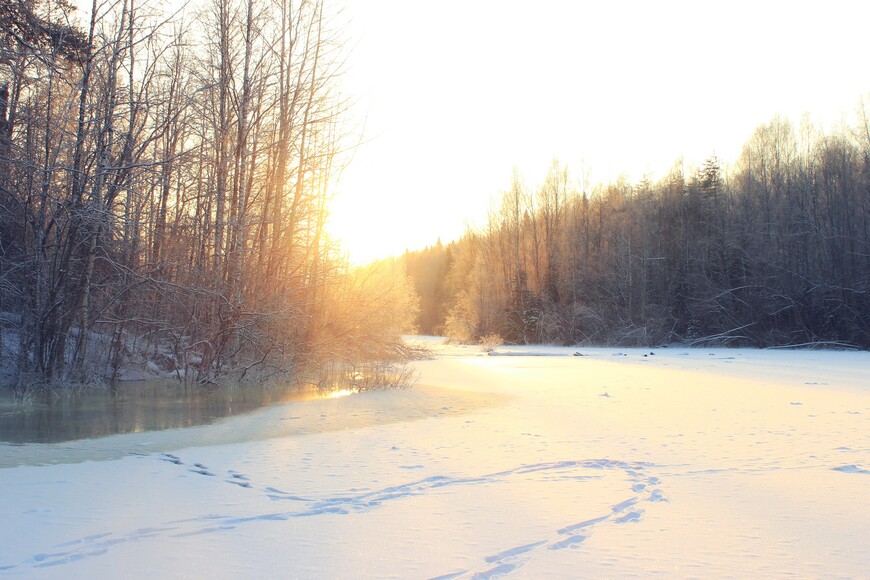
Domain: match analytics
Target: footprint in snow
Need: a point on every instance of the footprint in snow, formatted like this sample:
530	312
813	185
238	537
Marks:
201	470
277	494
499	570
573	535
237	478
171	459
501	563
569	542
513	552
632	516
623	505
852	469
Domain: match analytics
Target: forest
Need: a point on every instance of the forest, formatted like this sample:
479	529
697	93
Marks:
771	251
164	180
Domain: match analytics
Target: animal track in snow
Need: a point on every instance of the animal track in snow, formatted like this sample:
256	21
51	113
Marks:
356	500
201	469
852	469
237	478
171	458
572	535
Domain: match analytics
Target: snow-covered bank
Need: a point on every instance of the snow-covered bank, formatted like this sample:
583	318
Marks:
680	463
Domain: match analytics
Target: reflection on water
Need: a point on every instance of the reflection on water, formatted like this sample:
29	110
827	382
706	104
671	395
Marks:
316	412
131	407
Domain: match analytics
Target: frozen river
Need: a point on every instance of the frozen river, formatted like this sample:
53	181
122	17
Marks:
672	462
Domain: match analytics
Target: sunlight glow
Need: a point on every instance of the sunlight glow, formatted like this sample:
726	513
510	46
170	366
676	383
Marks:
453	95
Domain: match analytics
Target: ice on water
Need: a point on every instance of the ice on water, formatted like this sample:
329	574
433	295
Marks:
697	462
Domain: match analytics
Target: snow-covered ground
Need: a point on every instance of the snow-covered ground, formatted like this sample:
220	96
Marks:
536	463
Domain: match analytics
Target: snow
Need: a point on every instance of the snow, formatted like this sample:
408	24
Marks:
683	462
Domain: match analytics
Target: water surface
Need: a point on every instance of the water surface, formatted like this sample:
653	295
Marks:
131	407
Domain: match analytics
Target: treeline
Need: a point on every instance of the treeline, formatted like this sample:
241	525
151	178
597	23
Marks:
773	251
163	186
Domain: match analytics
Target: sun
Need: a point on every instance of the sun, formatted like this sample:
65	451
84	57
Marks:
373	218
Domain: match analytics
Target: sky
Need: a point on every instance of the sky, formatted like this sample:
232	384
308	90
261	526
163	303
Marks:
452	95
